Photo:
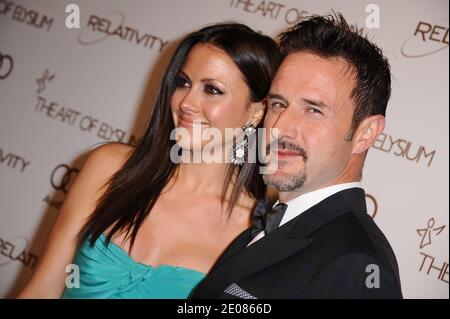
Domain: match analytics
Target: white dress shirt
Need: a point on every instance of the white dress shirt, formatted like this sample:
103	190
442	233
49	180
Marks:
299	204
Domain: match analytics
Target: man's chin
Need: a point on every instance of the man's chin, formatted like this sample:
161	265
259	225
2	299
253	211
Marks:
278	179
285	179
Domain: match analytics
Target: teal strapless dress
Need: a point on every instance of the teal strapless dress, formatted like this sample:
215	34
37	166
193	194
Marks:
107	271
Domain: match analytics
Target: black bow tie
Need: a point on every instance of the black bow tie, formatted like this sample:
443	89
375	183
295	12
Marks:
265	218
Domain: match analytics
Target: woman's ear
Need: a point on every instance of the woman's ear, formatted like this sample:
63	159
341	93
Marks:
258	113
367	133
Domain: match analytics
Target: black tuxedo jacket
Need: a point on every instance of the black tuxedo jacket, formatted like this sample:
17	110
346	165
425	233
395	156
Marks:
332	250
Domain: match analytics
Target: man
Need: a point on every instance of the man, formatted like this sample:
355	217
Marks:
328	102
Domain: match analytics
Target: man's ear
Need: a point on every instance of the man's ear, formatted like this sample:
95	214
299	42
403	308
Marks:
258	114
367	133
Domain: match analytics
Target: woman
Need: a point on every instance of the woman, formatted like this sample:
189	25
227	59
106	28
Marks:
143	226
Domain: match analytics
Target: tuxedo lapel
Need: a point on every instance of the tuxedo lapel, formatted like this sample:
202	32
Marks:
235	247
242	262
350	200
239	261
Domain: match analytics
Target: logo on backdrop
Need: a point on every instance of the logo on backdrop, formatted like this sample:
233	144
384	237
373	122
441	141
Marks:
404	149
6	65
15	249
279	11
22	14
100	28
61	179
72	117
429	232
427	39
372	205
432	265
13	161
42	81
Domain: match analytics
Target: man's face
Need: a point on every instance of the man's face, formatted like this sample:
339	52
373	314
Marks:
310	104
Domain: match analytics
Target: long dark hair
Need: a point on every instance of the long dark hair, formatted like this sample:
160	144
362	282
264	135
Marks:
134	189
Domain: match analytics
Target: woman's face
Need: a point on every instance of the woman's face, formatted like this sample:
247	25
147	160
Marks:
212	92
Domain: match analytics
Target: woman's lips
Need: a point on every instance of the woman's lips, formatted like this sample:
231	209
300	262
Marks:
187	122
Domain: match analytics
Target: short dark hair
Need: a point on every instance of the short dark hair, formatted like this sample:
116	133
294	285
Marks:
331	36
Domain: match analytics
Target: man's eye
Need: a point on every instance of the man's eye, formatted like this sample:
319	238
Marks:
210	89
314	110
277	106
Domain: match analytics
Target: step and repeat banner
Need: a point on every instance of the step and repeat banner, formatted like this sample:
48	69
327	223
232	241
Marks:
66	88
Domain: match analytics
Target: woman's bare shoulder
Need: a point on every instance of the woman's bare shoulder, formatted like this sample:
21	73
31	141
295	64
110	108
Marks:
79	203
109	157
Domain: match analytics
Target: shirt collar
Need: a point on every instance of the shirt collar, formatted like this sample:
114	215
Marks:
299	204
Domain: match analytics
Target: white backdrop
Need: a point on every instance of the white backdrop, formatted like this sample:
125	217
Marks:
63	91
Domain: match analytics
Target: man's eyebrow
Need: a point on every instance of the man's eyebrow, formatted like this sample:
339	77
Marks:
317	103
278	97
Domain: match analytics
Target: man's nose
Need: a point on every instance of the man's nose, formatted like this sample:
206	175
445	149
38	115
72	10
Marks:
287	124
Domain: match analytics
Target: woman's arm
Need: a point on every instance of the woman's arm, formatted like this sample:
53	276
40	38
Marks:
48	280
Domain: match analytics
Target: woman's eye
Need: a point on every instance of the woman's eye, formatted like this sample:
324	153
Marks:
210	89
181	82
